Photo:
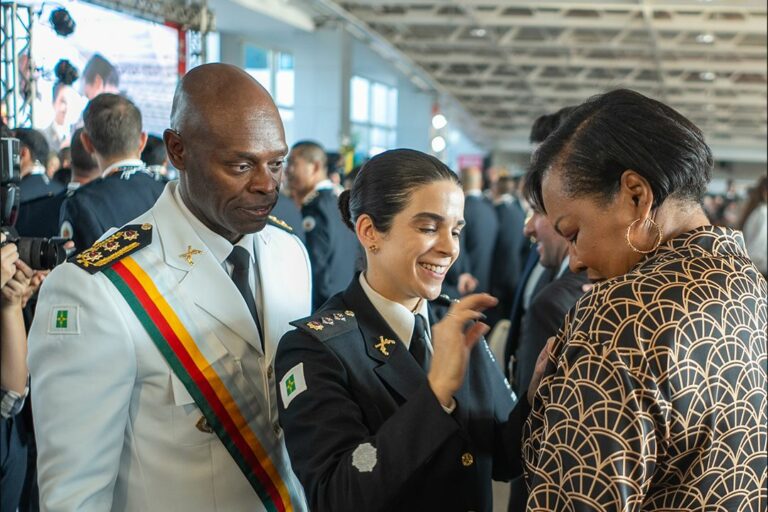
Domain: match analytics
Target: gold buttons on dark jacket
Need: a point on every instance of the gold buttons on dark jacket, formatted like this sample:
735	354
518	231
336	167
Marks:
467	459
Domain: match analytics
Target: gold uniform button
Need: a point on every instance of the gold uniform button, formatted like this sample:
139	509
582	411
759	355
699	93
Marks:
203	426
269	371
467	459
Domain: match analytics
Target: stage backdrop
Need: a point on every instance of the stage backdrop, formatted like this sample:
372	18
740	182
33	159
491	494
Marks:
145	55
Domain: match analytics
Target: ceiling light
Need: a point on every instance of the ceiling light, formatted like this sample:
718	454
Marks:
705	38
438	144
478	32
707	75
439	121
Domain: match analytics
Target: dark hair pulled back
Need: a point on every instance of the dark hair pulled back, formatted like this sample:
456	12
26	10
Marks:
66	74
385	183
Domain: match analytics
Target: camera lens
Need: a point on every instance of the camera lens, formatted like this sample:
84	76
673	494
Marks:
40	253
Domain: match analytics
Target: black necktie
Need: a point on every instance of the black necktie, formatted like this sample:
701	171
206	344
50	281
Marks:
418	347
241	260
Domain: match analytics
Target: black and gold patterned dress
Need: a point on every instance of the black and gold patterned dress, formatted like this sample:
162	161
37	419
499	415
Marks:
655	395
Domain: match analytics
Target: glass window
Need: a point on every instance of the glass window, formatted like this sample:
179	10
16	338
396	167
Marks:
257	65
275	71
373	114
284	80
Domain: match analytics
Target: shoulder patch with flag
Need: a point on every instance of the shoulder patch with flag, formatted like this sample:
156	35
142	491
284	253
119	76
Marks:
64	320
292	384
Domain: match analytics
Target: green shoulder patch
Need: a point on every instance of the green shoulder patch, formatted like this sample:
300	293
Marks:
279	223
120	244
327	324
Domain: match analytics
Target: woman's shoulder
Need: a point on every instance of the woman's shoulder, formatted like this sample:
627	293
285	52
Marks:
332	319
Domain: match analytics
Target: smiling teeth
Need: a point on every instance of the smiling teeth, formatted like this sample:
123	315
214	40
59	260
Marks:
434	268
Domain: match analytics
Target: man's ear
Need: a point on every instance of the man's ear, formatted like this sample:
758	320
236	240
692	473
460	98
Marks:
174	147
87	143
636	193
142	141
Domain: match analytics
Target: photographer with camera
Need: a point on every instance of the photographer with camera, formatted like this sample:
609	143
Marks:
15	278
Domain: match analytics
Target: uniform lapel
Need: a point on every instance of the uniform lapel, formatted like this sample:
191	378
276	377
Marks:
398	369
275	280
205	274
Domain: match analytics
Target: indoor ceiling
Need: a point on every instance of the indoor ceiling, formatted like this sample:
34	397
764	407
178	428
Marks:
508	62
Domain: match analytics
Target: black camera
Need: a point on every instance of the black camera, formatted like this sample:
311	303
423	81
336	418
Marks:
38	253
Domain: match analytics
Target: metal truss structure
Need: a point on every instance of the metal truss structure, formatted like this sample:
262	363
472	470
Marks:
507	62
17	89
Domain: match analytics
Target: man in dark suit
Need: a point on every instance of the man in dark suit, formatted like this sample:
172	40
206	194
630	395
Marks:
511	248
481	229
333	249
33	159
112	134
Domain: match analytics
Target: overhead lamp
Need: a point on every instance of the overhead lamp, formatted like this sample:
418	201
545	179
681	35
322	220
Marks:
707	75
478	32
438	144
706	38
439	121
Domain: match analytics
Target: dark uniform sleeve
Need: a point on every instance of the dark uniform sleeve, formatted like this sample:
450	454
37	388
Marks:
319	242
85	224
339	461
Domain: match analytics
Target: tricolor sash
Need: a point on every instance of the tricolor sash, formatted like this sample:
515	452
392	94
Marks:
226	405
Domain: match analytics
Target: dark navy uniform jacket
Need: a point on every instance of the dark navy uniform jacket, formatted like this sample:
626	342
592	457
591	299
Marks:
333	248
35	186
108	202
40	217
481	231
368	434
508	255
287	211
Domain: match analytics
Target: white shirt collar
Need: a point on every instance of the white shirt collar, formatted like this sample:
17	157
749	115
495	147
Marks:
37	168
324	185
474	193
129	162
399	318
563	267
219	246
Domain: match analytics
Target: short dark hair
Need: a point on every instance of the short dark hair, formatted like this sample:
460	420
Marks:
154	151
620	130
35	142
99	66
113	123
384	185
311	149
544	125
83	163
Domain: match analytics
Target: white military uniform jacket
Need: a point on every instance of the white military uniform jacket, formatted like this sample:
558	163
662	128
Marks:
116	429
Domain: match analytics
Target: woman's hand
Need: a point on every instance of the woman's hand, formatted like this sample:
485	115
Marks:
538	371
13	291
452	344
8	256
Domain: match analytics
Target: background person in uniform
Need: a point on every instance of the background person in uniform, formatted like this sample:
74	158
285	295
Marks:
33	158
41	217
112	134
371	419
118	426
155	157
654	395
482	228
287	211
333	250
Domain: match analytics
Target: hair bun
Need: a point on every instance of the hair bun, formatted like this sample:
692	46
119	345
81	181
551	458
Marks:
65	72
346	215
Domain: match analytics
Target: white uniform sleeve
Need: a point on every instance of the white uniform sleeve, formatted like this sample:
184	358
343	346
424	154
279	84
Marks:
82	364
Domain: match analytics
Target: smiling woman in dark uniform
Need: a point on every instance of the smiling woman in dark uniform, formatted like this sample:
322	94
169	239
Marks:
374	402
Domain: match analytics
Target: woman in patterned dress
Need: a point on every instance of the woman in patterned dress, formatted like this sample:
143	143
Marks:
654	395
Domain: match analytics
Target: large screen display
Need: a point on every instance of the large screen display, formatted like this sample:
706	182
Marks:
112	52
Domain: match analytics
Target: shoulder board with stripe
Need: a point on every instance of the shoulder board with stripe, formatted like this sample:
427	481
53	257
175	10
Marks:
279	223
327	324
105	253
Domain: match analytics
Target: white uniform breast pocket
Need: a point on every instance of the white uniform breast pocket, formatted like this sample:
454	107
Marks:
190	428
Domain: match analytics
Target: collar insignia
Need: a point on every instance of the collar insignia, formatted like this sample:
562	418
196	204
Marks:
382	345
188	255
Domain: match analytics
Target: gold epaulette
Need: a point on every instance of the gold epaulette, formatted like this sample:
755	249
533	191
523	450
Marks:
274	221
105	253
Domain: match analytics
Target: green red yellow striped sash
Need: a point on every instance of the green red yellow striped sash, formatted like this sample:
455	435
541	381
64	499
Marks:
207	387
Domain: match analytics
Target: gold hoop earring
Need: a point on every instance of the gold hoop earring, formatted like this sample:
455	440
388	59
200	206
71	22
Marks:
374	249
656	244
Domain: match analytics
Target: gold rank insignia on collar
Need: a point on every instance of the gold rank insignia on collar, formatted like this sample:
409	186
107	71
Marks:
189	253
120	244
382	345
